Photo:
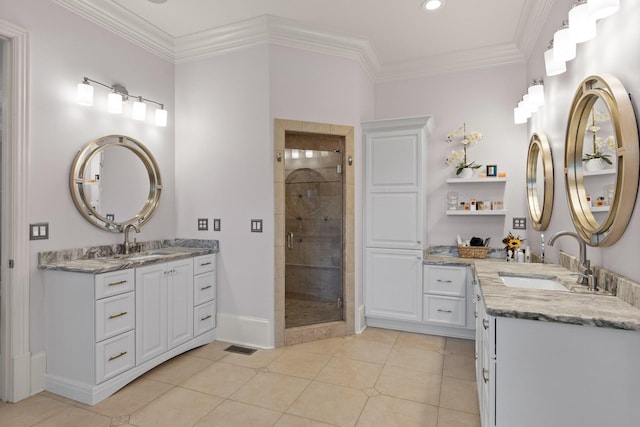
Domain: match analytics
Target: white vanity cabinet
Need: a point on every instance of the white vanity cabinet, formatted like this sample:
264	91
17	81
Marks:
164	307
104	330
445	296
534	373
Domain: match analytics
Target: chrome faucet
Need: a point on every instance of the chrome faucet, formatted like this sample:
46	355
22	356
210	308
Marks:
127	229
585	275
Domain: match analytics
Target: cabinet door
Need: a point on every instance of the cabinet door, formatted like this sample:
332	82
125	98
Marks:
394	220
394	284
180	301
151	312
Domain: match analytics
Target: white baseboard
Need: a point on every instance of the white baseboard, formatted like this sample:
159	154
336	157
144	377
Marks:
38	369
244	330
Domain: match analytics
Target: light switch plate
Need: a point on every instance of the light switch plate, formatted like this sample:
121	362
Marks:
216	224
519	223
203	224
39	231
256	226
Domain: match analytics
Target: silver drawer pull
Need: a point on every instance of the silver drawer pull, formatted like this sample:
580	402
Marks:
485	375
119	355
206	287
444	311
121	282
205	264
485	323
205	318
113	316
443	281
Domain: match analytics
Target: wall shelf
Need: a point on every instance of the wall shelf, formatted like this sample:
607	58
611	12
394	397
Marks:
600	172
477	213
599	209
475	180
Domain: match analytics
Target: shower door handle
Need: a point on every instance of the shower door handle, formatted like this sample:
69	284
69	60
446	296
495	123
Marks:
290	240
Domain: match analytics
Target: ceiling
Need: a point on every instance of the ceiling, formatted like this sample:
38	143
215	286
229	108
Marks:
393	38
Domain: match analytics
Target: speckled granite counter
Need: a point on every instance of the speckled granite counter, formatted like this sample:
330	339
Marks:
102	259
579	306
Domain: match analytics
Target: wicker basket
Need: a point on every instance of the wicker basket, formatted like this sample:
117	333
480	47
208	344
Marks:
473	251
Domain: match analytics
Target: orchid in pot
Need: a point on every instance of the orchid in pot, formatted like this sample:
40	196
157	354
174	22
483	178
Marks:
598	158
458	158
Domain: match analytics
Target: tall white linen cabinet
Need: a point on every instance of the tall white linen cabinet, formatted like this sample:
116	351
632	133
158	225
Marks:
395	218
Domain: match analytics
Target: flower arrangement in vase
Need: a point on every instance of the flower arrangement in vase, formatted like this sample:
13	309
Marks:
458	158
512	246
598	157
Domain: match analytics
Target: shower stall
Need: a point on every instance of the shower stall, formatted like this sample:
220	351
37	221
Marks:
314	225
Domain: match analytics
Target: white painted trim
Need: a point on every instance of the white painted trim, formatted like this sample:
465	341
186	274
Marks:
14	323
244	330
38	370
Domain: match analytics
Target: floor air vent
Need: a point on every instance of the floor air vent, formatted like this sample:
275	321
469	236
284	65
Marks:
240	349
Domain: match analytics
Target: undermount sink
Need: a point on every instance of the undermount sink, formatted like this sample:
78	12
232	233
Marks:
533	281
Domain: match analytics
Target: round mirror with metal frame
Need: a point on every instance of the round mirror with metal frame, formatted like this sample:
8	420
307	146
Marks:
121	170
609	92
539	181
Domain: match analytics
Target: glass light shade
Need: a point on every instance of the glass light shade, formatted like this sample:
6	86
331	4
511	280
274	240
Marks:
139	110
530	105
581	25
161	117
599	9
518	116
114	103
536	94
295	154
308	154
85	94
564	48
553	67
524	109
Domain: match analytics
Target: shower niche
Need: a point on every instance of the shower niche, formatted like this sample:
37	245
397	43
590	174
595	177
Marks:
314	225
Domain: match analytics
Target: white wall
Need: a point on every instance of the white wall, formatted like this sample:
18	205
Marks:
484	100
63	49
614	52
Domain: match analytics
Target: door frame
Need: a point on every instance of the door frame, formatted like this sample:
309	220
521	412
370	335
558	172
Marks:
15	357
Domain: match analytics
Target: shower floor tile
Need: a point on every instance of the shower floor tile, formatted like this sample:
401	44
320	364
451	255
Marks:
299	312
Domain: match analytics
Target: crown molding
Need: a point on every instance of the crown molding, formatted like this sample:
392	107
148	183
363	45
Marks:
114	18
533	17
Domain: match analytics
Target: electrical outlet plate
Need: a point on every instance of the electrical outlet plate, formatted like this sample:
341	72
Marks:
256	226
203	224
520	223
39	231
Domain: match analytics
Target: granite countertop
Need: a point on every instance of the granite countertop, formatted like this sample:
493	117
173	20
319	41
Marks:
579	306
102	259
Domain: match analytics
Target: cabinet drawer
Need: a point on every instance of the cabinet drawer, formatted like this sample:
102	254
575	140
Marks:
445	280
204	288
204	317
114	356
115	315
204	263
114	283
444	310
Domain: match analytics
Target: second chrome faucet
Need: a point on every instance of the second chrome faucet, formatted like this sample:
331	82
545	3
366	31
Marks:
585	275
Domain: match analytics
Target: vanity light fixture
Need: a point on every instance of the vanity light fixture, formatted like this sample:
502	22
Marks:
430	5
564	47
536	93
553	67
308	154
117	97
582	25
599	9
531	101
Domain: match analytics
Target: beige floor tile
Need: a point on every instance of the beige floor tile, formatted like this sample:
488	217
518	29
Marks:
176	408
328	346
238	414
299	363
75	417
350	373
293	421
392	412
459	394
220	379
365	350
459	365
459	345
213	351
410	384
384	336
420	360
452	418
329	403
29	411
271	391
131	398
257	360
420	341
177	370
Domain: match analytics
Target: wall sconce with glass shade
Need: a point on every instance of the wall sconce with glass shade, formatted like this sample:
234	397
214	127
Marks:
531	101
582	25
599	9
564	47
117	97
551	66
